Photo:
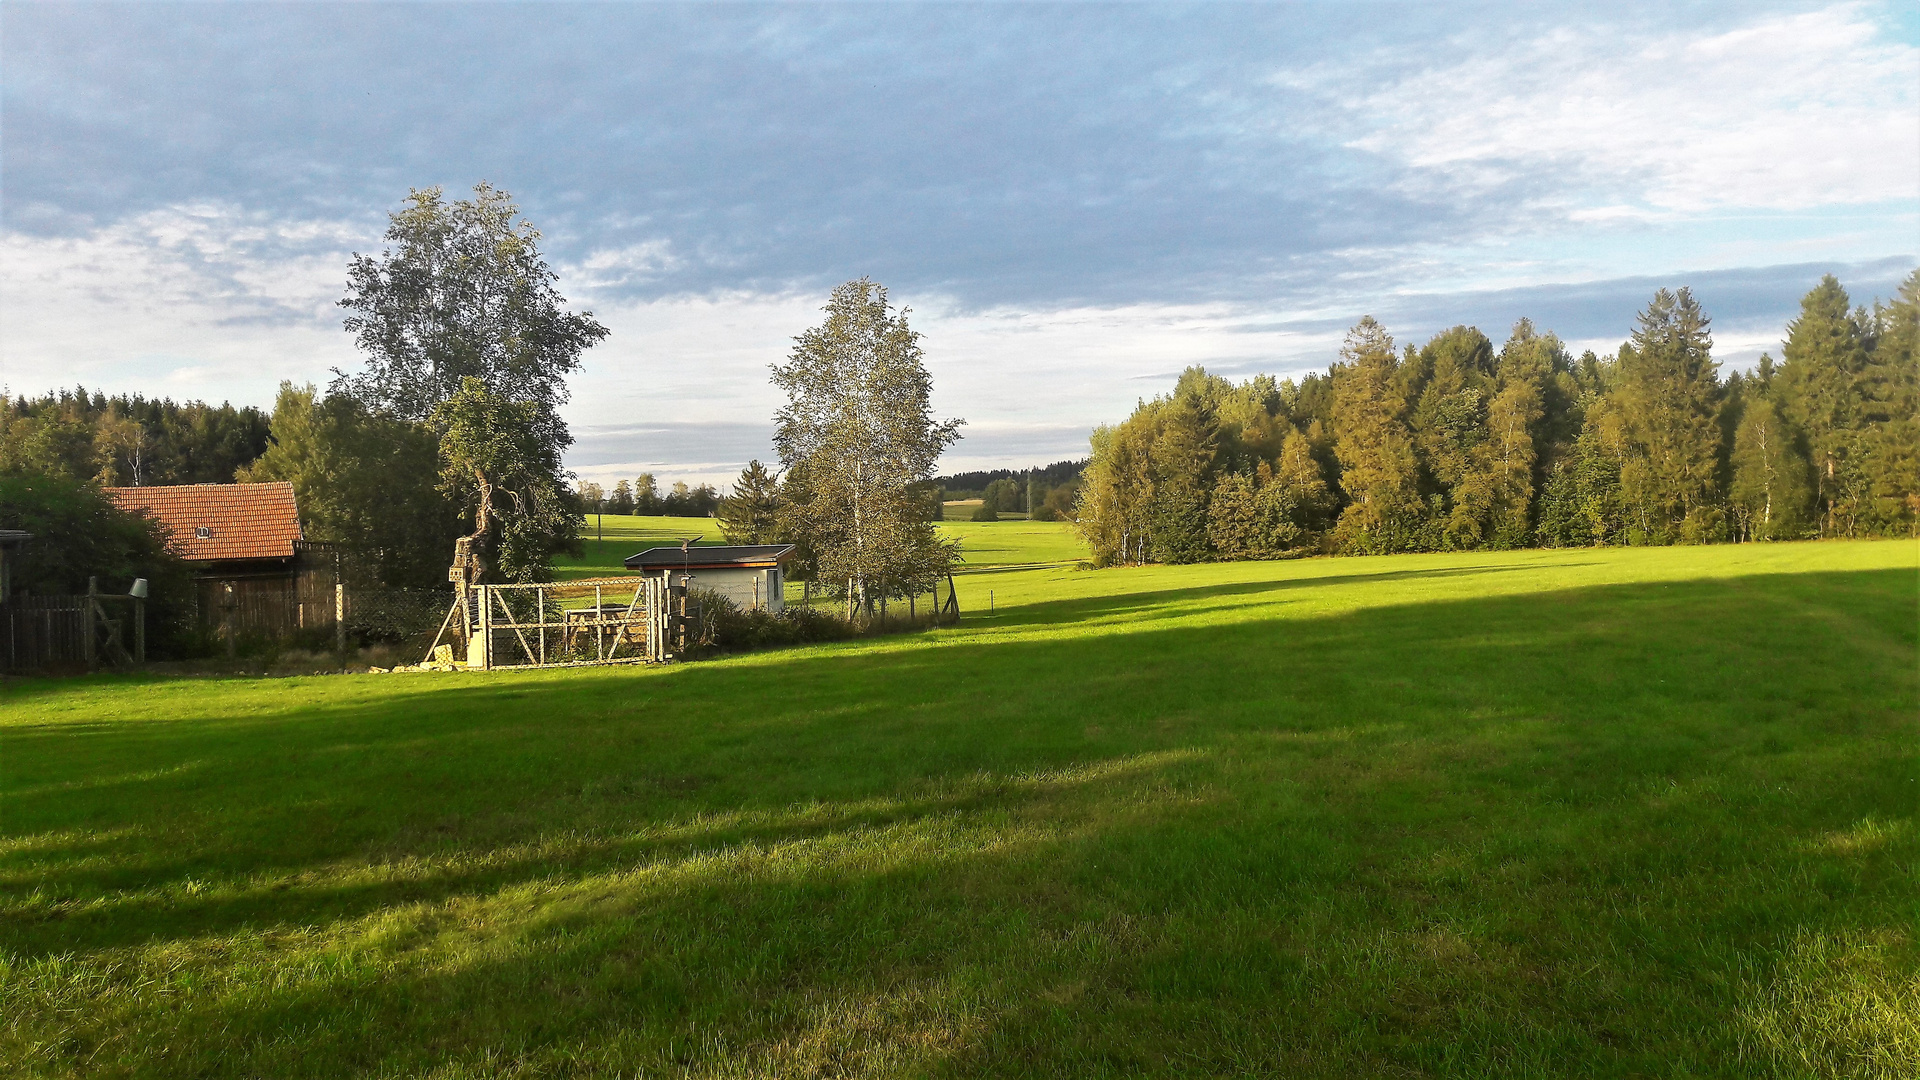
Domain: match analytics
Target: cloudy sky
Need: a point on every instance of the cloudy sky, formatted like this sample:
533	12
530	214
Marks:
1075	200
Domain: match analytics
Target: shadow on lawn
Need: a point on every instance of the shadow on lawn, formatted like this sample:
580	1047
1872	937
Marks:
1622	789
1060	612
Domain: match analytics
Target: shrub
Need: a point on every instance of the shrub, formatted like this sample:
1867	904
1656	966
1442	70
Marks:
986	512
1043	512
723	627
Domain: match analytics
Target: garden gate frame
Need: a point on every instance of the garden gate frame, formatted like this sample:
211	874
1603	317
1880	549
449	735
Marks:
508	627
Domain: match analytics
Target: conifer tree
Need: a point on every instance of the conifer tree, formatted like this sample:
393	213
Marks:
1449	426
1182	458
1820	389
1299	471
1668	402
1378	467
750	515
1890	451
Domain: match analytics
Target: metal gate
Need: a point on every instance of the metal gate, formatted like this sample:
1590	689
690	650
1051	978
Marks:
559	624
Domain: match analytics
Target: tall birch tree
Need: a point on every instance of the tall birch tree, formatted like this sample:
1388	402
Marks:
859	426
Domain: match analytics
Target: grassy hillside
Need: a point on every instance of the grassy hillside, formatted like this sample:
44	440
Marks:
1595	813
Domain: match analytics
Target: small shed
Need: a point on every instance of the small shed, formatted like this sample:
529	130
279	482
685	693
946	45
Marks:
254	570
750	575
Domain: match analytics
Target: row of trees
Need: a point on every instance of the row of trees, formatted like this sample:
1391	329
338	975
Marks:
1458	445
642	496
127	440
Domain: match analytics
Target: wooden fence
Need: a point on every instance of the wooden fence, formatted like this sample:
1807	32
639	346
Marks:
44	632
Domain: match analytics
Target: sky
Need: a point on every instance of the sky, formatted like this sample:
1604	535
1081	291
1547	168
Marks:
1075	201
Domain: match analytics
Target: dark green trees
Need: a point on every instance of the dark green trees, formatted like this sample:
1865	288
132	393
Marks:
751	514
1379	470
366	482
1453	446
1668	399
463	331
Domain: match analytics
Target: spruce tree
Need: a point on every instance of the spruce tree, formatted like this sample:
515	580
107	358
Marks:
750	515
1890	447
1820	388
1450	427
1378	467
1668	402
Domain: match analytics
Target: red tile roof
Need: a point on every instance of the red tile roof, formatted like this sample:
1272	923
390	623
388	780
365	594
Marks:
214	522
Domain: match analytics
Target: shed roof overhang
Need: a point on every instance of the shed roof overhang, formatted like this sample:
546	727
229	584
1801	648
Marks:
717	557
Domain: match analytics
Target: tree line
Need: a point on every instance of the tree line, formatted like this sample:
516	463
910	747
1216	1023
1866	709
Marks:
1458	445
642	496
127	440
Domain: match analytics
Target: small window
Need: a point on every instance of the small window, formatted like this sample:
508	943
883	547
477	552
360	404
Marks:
201	532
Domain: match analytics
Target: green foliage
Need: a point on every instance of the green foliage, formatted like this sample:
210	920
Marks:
462	329
1771	492
78	533
859	442
365	481
496	460
723	627
1379	467
984	512
462	293
751	515
127	440
1668	398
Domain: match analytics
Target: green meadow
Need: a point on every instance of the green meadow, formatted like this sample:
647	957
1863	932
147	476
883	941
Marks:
1618	812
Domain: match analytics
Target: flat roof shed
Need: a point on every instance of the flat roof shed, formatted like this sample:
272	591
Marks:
747	574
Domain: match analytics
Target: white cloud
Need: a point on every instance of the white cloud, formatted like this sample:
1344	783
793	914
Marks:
1818	108
197	301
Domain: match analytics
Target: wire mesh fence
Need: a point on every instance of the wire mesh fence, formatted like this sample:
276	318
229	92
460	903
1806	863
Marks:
564	623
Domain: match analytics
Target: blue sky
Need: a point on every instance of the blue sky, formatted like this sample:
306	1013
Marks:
1076	200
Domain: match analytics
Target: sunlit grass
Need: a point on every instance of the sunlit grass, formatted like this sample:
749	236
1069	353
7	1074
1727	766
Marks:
1644	812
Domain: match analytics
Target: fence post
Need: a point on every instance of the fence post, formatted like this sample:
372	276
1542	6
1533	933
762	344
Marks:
86	642
139	630
340	619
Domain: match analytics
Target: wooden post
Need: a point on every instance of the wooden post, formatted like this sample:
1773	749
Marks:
340	619
486	629
139	630
599	626
540	600
86	645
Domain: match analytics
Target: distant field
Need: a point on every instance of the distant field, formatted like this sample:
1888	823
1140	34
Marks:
1542	813
986	545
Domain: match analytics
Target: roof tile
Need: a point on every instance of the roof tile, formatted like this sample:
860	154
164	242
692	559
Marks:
214	522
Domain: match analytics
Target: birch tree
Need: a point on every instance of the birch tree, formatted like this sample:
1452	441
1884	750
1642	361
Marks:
859	426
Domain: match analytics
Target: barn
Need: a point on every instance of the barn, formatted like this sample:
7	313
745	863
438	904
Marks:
750	575
254	570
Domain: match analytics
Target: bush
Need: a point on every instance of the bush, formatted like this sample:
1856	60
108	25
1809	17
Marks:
723	627
1043	512
79	533
986	512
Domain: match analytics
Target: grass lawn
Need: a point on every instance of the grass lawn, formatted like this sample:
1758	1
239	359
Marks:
1584	813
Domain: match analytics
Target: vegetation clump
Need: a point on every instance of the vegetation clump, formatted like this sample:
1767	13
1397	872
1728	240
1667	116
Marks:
1459	446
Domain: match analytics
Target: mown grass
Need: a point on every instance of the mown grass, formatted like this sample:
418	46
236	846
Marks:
1592	813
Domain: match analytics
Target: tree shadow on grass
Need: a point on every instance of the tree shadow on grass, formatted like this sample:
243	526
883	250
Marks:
1460	836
